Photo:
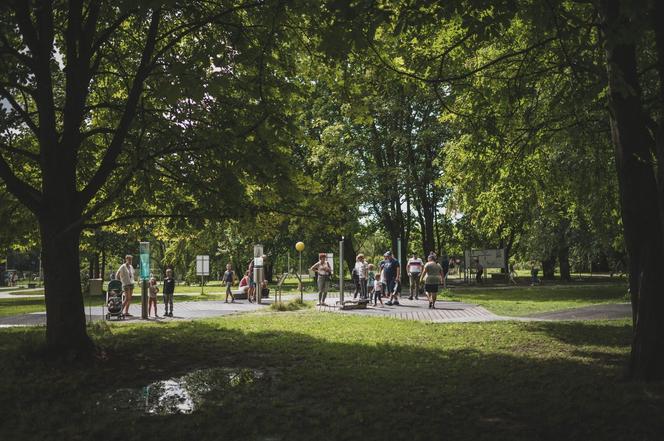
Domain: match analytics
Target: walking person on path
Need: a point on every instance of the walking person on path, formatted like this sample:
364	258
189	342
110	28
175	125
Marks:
323	269
512	274
432	276
169	290
229	279
391	275
414	269
480	271
378	291
125	274
362	270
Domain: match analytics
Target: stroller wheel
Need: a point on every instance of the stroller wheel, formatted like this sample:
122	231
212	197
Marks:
108	316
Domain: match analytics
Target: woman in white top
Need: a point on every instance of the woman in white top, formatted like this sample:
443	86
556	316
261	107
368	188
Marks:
323	268
126	275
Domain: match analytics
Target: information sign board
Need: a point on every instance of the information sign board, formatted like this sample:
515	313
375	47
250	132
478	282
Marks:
202	265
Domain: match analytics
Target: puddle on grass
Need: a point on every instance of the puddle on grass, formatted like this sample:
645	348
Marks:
184	394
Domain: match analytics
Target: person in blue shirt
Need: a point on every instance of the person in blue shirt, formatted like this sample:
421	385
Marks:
391	276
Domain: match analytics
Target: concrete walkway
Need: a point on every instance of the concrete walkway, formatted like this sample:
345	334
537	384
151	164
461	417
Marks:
445	312
182	310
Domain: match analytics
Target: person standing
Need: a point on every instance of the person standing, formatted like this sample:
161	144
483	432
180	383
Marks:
371	278
362	269
414	269
126	275
169	291
391	276
251	294
324	270
229	279
355	277
153	289
432	277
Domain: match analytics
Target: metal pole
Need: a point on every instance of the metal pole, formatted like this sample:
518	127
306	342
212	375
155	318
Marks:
401	266
144	298
300	278
202	282
341	271
258	271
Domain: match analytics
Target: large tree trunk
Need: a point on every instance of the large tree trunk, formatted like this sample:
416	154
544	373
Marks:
641	214
549	267
65	317
349	254
563	260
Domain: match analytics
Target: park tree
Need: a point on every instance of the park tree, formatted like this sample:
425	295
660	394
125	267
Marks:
109	102
633	42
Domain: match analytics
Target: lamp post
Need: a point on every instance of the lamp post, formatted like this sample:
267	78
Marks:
300	247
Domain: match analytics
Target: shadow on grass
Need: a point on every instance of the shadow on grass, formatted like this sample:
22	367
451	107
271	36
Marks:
321	389
579	333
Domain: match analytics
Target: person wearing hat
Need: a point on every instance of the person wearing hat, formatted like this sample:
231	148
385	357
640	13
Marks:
391	276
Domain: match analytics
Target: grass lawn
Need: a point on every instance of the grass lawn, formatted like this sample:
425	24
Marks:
332	377
525	300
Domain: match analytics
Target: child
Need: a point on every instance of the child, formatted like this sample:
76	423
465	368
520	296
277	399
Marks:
153	289
378	290
169	290
371	278
229	279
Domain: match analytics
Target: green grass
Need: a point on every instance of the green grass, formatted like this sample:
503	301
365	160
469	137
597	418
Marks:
341	377
526	300
15	306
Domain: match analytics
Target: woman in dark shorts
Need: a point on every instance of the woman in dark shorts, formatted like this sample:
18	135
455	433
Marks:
432	275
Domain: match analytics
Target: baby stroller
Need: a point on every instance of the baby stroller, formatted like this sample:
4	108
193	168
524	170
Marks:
114	300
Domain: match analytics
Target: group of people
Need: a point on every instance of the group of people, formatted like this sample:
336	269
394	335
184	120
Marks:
374	283
125	274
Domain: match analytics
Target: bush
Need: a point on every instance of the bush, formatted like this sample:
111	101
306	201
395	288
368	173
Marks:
293	305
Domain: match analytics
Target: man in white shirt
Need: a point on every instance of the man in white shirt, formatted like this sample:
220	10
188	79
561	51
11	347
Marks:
414	269
126	275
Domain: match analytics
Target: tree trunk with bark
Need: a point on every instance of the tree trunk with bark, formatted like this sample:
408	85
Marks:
549	267
563	260
65	317
640	199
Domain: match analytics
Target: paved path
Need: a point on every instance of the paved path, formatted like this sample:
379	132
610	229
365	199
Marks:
445	312
18	293
182	310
